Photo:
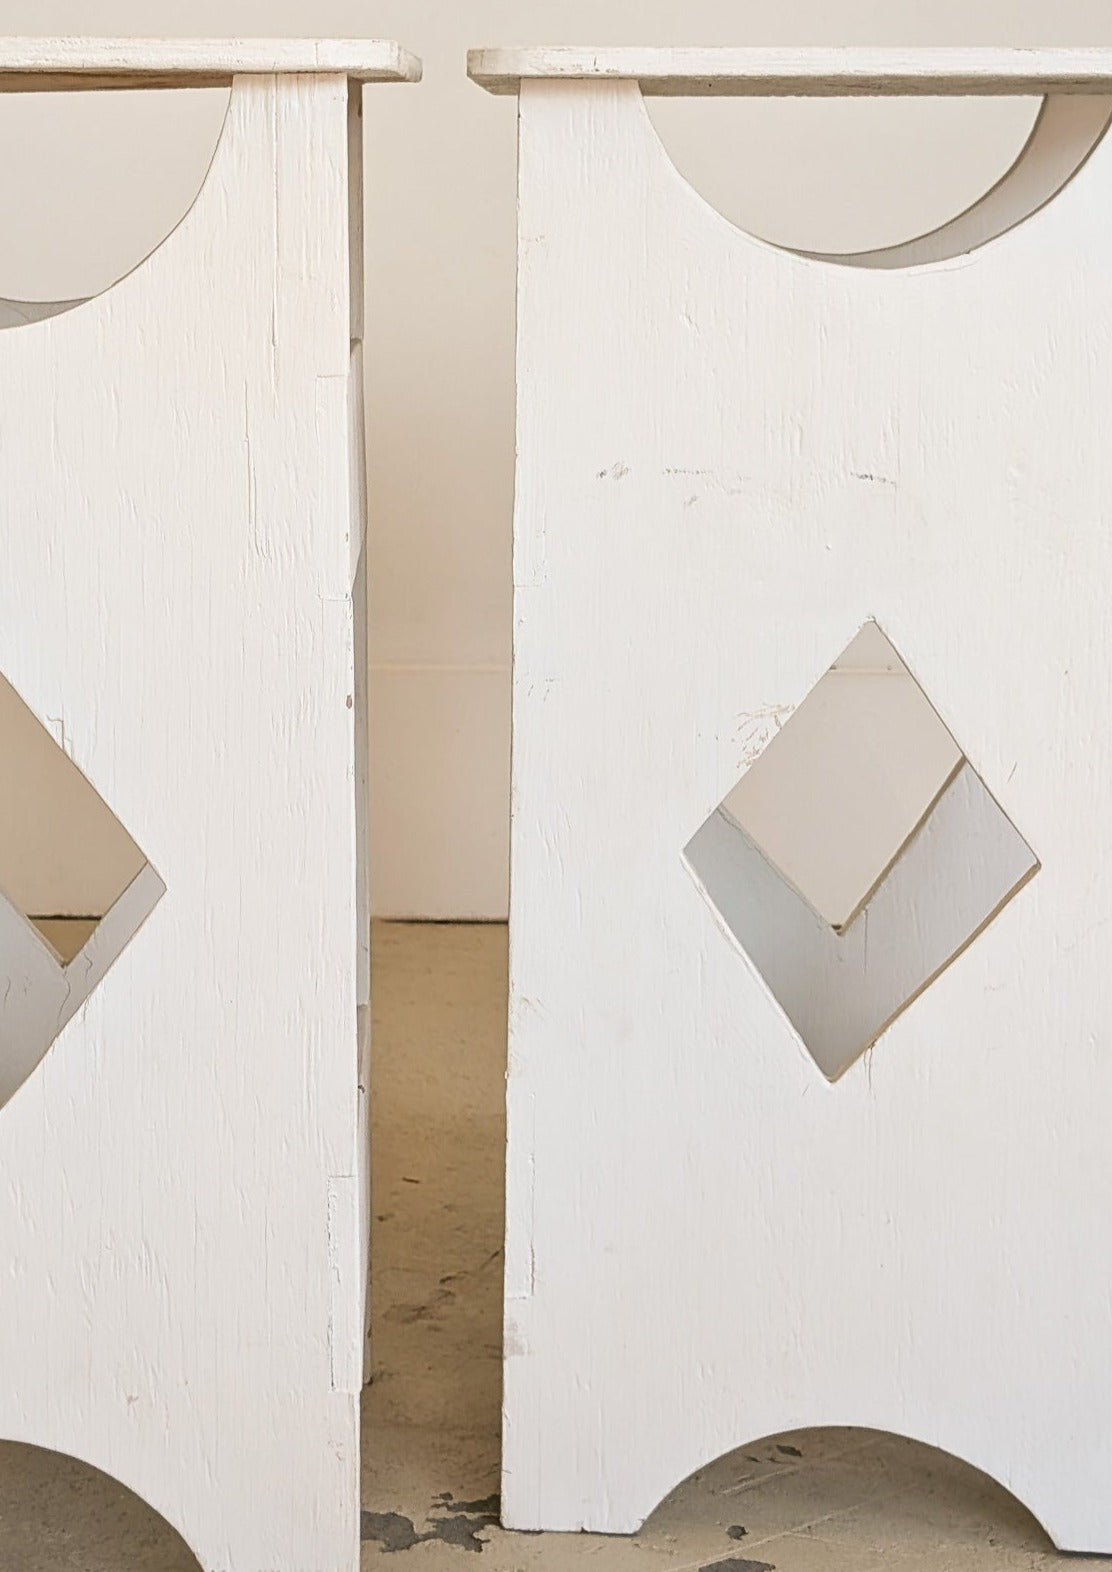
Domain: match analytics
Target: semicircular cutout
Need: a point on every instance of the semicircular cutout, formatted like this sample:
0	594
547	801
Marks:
876	1496
100	180
58	1512
879	183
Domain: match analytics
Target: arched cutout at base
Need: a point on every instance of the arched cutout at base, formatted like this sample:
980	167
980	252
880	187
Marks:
56	1511
868	1489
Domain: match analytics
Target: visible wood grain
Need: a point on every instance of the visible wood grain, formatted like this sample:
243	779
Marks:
730	457
759	72
184	1211
52	65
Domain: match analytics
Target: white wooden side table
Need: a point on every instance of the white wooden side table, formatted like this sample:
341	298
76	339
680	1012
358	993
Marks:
183	1219
770	1170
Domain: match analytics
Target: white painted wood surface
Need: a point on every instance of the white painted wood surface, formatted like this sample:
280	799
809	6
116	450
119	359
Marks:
184	1222
730	457
839	72
50	64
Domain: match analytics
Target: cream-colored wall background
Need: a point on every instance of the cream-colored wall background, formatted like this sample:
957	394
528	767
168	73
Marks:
91	182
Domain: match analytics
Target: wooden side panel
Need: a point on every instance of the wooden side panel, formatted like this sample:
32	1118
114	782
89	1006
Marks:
183	1209
730	458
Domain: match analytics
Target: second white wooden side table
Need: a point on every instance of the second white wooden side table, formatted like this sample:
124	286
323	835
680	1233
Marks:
724	1219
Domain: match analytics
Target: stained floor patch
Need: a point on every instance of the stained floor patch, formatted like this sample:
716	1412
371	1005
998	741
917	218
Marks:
462	1530
487	1504
391	1530
460	1525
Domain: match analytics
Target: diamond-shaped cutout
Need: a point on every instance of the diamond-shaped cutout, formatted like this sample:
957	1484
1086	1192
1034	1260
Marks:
859	854
74	890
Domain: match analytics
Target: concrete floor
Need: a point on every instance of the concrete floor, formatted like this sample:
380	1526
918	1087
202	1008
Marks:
839	1501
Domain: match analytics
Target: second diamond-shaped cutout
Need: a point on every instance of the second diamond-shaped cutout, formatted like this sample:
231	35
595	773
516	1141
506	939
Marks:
859	854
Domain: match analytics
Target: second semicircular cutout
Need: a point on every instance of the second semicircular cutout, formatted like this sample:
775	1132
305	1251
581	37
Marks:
880	183
93	184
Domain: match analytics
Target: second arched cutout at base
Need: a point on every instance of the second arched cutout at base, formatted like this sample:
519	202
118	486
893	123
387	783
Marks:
842	1498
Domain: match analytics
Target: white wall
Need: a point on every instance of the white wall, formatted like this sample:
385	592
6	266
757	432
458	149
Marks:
98	180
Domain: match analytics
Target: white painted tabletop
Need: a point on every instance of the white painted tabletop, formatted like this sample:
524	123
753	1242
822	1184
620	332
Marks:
50	64
798	72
